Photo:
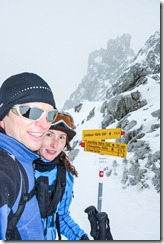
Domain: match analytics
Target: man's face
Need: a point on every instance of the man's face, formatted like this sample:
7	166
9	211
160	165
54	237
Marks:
28	132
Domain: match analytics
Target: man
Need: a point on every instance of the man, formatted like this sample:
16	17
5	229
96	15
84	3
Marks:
27	109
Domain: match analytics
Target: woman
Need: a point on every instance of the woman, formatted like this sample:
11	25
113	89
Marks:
58	137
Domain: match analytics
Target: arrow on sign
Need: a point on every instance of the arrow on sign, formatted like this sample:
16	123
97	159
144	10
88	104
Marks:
101	134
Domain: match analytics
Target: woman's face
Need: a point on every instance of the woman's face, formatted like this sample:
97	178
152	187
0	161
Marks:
53	143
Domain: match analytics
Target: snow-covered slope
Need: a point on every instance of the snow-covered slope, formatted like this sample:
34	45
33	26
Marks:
131	186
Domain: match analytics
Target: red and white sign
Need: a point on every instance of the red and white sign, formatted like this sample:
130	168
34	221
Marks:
101	173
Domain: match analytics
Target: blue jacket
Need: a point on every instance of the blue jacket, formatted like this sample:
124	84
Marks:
68	227
30	225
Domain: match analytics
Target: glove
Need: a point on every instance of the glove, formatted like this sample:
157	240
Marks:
84	237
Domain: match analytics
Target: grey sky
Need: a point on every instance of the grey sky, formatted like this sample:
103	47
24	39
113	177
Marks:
54	38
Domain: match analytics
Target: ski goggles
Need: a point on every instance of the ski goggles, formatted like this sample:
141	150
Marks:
33	112
64	118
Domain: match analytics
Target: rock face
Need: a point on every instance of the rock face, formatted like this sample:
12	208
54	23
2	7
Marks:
128	89
104	67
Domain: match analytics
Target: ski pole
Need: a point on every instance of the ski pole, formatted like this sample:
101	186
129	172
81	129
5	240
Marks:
101	218
104	228
99	221
91	211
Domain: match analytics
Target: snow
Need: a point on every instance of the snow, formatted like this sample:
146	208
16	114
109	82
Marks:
134	212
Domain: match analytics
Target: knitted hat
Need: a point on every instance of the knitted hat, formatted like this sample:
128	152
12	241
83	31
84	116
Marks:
62	127
24	88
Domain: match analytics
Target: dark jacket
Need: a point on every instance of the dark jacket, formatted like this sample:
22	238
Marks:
68	227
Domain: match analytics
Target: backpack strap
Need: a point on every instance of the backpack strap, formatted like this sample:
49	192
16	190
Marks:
25	196
50	195
12	232
61	174
58	226
59	188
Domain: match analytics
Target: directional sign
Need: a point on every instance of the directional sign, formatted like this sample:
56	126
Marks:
101	134
106	148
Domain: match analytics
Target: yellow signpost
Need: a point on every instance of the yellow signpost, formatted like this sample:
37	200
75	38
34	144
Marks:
101	134
94	141
106	148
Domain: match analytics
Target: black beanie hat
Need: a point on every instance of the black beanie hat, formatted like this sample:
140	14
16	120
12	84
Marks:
62	127
24	88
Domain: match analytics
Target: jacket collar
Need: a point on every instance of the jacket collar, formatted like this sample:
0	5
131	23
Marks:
15	148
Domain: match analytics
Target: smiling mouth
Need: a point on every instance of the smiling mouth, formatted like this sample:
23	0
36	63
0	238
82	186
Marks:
51	152
36	135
